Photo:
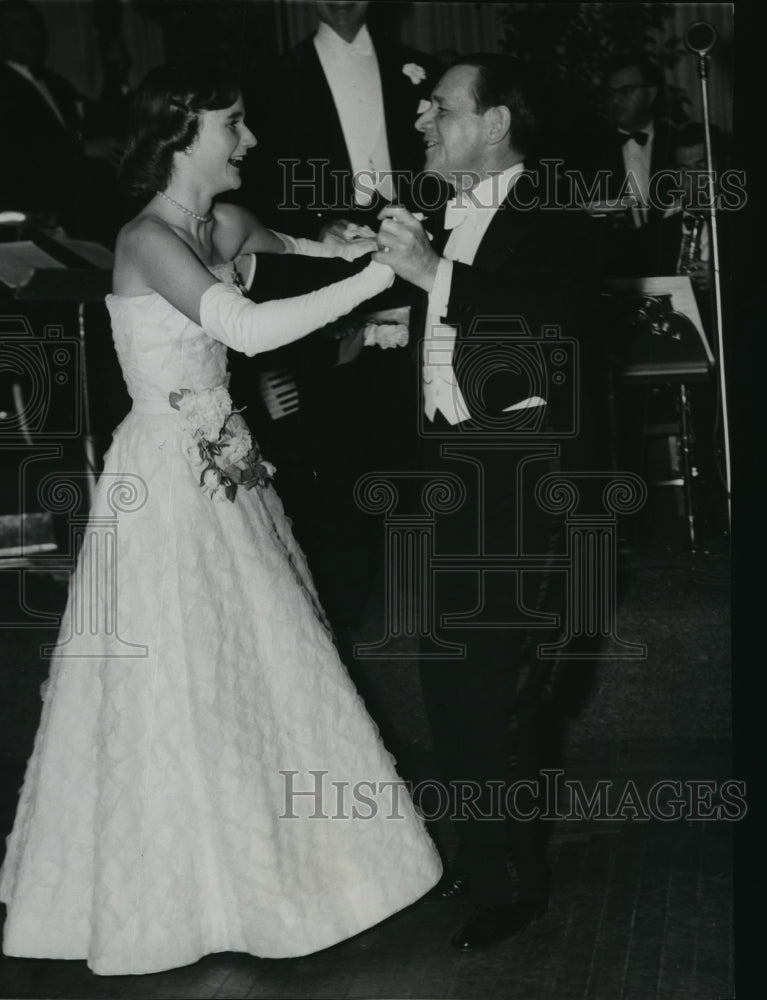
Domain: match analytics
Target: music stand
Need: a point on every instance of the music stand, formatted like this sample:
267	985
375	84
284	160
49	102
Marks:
659	354
50	268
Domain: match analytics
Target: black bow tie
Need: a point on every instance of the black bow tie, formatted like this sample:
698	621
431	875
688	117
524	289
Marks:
639	137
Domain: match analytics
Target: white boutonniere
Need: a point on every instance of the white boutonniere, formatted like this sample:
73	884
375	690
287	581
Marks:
387	328
385	335
415	73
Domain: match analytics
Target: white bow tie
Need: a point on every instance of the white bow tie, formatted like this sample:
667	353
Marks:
361	44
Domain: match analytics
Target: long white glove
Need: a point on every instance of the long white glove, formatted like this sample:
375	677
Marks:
313	248
255	327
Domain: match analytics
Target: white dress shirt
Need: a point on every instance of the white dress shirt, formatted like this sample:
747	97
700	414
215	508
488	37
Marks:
468	216
351	69
637	160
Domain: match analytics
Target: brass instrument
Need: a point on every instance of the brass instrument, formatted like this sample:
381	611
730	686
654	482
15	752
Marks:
692	242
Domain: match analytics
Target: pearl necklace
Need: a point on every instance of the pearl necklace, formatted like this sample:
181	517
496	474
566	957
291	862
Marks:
188	211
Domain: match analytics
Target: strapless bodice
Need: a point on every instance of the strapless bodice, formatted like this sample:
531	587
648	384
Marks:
162	351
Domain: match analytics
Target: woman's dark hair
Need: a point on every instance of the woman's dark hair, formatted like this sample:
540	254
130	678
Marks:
165	117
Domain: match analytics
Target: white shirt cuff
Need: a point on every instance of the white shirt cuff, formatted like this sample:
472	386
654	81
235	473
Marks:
248	281
524	403
440	292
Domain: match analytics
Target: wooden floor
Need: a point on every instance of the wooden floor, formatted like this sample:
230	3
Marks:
638	911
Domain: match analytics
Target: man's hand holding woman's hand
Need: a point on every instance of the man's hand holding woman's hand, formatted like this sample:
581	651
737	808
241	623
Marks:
351	240
405	247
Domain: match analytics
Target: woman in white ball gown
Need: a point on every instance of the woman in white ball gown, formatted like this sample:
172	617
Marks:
161	817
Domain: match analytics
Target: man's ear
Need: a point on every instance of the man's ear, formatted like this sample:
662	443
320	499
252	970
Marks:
498	123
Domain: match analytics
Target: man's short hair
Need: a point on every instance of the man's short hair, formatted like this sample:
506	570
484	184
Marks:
504	81
649	70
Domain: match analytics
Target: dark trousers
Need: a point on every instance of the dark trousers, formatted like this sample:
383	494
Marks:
471	702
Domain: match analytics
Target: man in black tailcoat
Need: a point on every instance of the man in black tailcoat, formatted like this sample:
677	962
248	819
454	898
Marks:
338	110
506	290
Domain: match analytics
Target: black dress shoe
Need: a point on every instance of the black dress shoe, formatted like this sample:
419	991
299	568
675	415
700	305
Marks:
491	924
450	886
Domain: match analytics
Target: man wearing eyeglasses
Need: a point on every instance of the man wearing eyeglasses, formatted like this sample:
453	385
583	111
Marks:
633	144
631	97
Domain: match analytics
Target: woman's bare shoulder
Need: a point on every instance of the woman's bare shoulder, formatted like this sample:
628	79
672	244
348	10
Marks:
233	224
145	237
145	226
144	248
239	231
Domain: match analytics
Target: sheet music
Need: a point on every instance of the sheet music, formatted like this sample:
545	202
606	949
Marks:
19	261
94	253
678	286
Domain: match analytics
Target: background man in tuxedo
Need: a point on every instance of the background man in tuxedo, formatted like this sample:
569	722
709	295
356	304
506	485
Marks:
56	162
633	88
345	98
505	263
683	237
630	146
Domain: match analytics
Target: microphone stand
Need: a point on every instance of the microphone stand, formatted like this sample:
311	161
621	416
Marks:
702	60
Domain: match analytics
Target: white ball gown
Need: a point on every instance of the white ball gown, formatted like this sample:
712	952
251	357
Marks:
154	822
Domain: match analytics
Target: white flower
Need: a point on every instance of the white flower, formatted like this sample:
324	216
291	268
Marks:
386	335
211	480
415	73
235	448
204	412
197	461
212	486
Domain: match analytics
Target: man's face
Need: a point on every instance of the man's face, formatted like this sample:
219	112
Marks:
691	158
345	17
453	131
629	99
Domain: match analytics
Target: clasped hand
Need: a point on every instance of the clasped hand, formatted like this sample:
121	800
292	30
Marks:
401	243
351	240
405	247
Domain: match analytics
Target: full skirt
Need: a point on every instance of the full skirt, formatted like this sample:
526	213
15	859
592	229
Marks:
205	777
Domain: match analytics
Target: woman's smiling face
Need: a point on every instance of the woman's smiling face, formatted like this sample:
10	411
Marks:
223	140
